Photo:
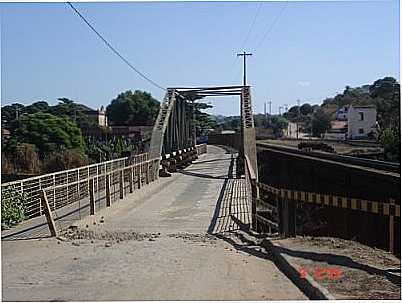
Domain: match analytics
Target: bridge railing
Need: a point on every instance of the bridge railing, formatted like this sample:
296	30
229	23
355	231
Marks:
69	186
251	189
201	148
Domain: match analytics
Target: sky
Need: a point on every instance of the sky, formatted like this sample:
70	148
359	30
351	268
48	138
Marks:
300	50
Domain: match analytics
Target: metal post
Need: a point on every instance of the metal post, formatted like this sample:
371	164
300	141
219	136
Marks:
48	214
139	175
147	173
391	230
130	177
121	184
254	205
108	198
91	197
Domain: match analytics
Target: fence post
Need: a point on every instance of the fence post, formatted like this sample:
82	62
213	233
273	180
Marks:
285	215
292	218
130	178
121	184
108	198
254	205
147	173
391	229
91	197
139	175
48	214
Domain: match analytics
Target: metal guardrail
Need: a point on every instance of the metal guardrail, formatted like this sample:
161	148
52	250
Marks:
251	189
288	198
68	186
365	163
201	148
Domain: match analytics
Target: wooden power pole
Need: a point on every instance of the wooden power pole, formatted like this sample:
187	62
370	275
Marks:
244	55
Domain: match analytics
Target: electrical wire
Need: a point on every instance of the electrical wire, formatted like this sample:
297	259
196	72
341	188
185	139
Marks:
116	52
252	26
246	38
270	28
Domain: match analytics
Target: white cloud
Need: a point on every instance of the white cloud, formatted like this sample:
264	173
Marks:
303	83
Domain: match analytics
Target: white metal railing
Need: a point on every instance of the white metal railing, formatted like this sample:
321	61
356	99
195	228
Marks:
68	186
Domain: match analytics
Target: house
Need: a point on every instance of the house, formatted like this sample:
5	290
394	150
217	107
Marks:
338	131
98	116
342	113
353	122
362	121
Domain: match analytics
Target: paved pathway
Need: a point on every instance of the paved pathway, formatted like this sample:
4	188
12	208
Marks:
179	239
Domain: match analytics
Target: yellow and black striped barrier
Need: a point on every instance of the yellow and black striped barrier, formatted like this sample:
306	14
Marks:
380	208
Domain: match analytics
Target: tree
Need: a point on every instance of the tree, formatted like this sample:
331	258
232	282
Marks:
48	133
138	108
386	95
320	123
278	124
306	109
73	110
9	113
40	106
391	141
63	160
203	121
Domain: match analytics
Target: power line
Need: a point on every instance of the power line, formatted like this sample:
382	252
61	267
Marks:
247	36
272	25
251	26
113	49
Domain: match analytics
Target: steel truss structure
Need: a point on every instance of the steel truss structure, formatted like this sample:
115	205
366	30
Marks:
174	129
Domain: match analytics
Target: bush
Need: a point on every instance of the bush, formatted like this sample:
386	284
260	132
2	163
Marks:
12	207
316	146
63	160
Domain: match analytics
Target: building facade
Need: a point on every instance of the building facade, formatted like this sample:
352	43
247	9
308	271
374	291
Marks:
362	121
353	122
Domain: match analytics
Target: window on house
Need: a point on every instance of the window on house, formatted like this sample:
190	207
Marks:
361	131
361	116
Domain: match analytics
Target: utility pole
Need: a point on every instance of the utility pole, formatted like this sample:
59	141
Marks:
280	108
244	55
298	117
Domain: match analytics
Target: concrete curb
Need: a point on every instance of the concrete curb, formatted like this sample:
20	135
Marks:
308	285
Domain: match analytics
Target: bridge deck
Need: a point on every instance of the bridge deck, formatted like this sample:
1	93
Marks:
172	256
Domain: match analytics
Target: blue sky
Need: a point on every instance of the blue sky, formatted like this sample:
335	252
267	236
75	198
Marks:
312	51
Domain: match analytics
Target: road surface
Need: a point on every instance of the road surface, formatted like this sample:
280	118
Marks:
178	240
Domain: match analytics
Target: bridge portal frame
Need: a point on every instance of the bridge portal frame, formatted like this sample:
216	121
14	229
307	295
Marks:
174	129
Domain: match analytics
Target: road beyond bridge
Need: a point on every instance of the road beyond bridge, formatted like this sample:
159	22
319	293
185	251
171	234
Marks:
182	238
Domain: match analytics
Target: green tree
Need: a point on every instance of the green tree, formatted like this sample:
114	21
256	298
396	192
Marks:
10	113
48	133
138	108
386	95
320	123
278	124
306	109
75	111
391	141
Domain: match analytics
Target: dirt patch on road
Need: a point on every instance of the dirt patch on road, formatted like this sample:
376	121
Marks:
195	238
118	236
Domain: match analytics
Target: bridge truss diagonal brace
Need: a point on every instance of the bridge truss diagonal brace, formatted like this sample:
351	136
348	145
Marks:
161	124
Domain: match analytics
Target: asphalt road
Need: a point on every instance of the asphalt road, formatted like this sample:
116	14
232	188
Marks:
179	239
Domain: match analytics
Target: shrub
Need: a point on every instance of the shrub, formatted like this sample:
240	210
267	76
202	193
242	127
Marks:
316	146
12	207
